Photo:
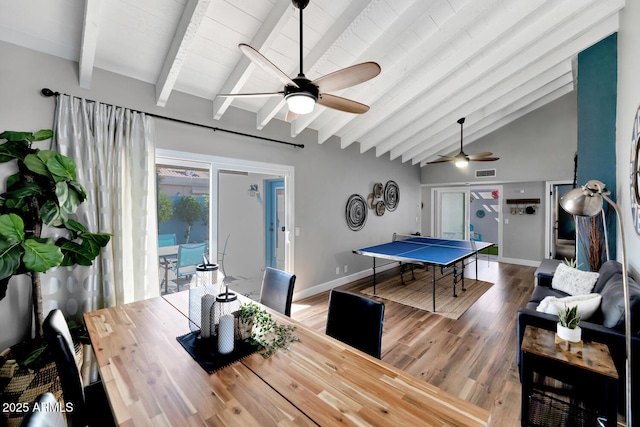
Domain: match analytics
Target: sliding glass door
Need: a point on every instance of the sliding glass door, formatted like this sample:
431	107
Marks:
451	214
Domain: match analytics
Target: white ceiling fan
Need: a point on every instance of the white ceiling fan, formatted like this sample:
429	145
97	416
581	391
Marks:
462	159
301	93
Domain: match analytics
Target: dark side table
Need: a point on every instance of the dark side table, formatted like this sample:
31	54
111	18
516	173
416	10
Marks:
591	371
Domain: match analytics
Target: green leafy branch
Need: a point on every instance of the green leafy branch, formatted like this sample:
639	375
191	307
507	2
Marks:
266	332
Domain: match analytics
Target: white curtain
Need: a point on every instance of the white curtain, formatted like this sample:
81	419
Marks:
114	152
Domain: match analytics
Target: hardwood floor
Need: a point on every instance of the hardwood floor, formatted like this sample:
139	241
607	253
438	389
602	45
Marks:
473	357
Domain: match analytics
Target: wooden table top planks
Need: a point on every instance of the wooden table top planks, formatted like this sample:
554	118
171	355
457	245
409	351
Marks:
151	380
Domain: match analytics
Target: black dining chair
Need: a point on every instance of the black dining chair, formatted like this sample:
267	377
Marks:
356	320
44	412
92	398
277	290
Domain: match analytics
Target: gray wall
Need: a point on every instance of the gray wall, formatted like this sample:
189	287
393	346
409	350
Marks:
325	175
536	148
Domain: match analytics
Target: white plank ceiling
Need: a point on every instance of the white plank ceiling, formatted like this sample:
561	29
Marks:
491	61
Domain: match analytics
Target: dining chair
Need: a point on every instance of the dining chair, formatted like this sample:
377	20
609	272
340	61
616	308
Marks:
277	290
91	400
356	320
189	257
473	235
48	414
167	240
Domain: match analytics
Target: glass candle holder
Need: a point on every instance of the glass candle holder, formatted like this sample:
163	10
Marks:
206	283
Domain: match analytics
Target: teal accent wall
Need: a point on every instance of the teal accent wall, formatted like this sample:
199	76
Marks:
597	97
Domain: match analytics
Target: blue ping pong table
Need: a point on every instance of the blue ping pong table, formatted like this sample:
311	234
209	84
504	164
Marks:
427	251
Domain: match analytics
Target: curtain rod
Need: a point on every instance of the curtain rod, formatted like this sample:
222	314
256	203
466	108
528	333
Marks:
49	93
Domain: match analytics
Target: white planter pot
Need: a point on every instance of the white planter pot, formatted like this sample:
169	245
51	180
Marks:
571	335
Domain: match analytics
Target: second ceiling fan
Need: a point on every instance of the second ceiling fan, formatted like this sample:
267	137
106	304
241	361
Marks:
301	93
462	159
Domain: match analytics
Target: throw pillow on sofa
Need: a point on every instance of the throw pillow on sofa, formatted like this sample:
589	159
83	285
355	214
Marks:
573	281
613	303
587	304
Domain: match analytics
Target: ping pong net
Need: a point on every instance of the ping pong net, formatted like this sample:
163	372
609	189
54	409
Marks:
437	242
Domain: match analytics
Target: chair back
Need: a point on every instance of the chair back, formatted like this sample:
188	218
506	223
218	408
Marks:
58	337
189	256
167	240
356	320
277	290
47	415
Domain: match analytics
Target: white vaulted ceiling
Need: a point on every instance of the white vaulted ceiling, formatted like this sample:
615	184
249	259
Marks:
491	61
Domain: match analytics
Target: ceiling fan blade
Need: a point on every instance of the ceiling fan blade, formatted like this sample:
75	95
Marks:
268	66
347	77
250	95
441	161
342	104
478	155
291	116
485	159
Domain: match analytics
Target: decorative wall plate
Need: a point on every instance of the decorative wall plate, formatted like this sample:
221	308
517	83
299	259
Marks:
377	190
391	195
380	208
371	201
480	213
356	212
634	164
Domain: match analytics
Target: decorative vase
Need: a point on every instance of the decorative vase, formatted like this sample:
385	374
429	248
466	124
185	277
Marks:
571	335
243	327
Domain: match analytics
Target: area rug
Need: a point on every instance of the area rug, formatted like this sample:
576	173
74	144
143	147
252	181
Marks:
417	293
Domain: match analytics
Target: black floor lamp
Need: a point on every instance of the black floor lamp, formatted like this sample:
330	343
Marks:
587	201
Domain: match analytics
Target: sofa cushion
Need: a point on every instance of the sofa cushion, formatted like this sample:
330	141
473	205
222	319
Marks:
613	303
587	304
607	270
573	281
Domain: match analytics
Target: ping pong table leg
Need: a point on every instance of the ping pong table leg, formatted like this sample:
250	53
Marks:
433	286
374	275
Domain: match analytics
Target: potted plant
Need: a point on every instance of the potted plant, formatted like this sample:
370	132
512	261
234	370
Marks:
259	327
568	328
43	192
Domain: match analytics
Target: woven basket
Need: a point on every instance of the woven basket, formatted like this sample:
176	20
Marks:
23	385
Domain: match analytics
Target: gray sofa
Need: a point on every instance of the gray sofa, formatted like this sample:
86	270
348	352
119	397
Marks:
605	326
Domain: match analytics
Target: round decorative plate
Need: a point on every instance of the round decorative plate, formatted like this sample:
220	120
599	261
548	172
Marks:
633	175
377	190
356	212
480	213
391	195
371	201
380	208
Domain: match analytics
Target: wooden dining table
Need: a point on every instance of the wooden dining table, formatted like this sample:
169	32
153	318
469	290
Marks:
150	379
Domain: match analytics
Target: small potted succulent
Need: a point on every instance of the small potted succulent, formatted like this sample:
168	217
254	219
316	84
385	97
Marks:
568	328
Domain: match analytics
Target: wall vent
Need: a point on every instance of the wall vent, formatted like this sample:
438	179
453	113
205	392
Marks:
485	173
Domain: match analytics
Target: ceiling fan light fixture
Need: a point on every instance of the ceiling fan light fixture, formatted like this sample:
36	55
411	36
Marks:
461	160
300	103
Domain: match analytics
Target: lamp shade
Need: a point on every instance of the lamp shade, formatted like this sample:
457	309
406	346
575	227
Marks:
585	201
300	102
576	202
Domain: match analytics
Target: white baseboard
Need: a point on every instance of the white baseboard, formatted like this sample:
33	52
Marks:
314	290
527	262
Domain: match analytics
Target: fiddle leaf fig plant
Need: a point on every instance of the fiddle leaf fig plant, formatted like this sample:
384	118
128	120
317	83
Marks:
43	191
